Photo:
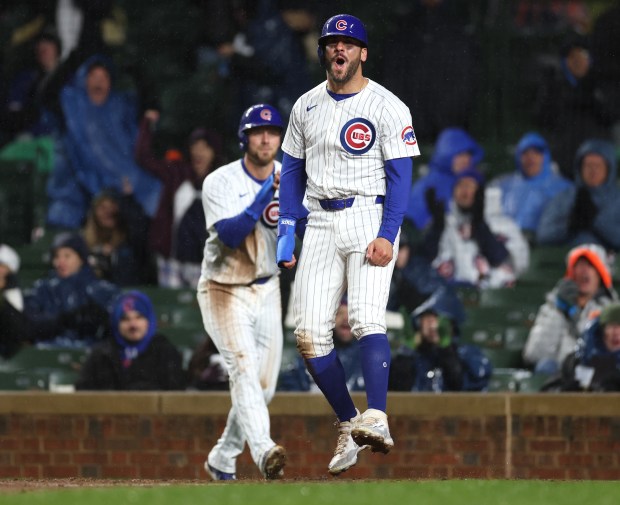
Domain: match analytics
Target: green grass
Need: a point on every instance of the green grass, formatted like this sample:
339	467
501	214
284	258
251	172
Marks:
448	492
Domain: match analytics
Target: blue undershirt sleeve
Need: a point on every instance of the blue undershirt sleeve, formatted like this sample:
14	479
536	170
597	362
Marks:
233	230
398	185
292	187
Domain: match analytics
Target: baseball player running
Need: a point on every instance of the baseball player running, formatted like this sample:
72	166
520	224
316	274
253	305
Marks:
239	291
348	146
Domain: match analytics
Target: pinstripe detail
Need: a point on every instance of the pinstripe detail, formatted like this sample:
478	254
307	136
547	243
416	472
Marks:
245	324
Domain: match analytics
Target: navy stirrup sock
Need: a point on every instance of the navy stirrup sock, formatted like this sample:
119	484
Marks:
328	373
376	357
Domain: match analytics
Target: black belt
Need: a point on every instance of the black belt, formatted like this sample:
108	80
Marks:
344	203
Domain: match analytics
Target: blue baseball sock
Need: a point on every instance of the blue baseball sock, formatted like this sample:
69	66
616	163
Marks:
376	357
328	373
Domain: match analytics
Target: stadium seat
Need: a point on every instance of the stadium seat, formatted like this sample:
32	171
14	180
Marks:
504	358
24	380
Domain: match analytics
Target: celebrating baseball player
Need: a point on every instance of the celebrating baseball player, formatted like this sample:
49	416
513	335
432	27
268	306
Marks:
239	291
348	147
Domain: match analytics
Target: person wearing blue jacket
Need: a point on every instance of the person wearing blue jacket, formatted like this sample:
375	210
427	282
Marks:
70	307
526	191
455	151
587	212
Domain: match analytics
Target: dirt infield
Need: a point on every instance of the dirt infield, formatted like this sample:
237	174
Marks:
22	485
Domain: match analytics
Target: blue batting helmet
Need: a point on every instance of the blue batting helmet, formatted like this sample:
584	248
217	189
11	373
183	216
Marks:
343	25
261	114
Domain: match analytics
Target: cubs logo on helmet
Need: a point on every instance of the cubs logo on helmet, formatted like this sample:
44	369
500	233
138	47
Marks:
408	136
270	214
261	114
357	136
343	25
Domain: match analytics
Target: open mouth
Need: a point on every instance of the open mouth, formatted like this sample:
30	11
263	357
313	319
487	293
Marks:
339	62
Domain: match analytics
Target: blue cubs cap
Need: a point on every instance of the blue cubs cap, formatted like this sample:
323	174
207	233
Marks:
344	25
261	114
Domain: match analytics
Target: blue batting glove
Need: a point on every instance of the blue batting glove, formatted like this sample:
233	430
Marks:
286	240
262	198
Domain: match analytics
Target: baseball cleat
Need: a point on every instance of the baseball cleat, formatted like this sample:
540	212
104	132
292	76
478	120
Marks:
216	474
345	455
273	463
372	430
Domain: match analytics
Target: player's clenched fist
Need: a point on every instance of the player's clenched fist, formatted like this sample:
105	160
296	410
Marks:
379	252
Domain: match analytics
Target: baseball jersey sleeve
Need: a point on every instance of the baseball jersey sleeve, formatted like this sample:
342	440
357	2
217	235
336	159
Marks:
294	142
216	199
397	136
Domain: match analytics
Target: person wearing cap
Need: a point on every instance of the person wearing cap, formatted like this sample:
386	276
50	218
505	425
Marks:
525	192
435	360
178	232
68	308
587	212
473	244
575	301
12	322
137	357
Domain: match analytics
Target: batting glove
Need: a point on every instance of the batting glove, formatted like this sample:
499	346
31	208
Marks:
286	240
263	197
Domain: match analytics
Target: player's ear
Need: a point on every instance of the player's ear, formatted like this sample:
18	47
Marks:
364	54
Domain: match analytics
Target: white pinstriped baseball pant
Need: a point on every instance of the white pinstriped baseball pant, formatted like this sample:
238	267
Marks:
245	324
332	260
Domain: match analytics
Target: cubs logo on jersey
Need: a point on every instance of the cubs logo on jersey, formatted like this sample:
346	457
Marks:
408	136
358	136
270	214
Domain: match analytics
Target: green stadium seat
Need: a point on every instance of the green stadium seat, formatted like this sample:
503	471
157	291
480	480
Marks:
32	380
504	358
503	379
29	358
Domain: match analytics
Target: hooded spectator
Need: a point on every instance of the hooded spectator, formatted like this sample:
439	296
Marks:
137	357
96	152
472	244
455	151
533	184
587	212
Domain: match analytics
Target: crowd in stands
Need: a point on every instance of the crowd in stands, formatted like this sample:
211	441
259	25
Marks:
123	197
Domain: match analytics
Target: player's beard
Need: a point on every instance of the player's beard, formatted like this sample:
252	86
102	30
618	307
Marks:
348	75
261	158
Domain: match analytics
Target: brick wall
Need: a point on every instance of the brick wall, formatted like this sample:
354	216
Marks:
165	436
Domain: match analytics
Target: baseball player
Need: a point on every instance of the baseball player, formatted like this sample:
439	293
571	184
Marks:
239	291
348	146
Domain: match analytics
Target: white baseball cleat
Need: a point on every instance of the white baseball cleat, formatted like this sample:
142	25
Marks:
273	463
345	455
372	429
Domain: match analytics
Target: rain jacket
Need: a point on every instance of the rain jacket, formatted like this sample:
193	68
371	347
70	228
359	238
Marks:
524	198
553	227
96	153
451	141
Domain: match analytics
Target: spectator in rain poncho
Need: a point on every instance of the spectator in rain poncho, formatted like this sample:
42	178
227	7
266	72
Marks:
455	151
587	212
533	184
97	147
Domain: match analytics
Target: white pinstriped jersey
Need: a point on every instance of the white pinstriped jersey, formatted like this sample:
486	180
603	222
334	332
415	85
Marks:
226	192
345	143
